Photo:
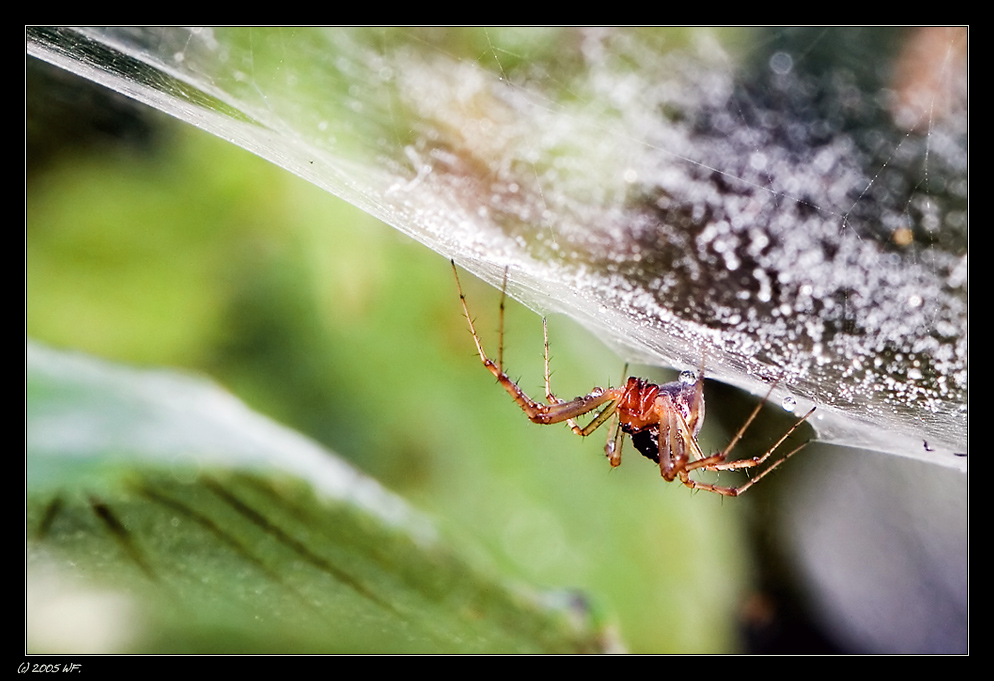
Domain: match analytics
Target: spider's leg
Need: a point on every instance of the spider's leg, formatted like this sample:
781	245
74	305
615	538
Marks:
716	462
537	412
757	460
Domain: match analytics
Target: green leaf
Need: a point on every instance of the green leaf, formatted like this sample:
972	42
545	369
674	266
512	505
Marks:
162	515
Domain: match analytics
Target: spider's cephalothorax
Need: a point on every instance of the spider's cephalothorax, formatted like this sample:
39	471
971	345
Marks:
662	420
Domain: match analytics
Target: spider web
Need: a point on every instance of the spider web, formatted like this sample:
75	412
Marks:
790	203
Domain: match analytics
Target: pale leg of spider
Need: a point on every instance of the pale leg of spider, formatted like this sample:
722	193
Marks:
615	435
612	447
536	412
685	478
699	398
552	399
756	460
717	462
500	331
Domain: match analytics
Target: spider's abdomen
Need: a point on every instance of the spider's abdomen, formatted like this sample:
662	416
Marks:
647	442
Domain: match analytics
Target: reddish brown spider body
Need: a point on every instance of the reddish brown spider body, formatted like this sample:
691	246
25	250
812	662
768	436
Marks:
663	421
653	416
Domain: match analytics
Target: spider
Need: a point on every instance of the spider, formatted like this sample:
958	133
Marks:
662	420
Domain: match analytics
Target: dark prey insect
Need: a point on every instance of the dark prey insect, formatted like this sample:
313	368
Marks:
662	420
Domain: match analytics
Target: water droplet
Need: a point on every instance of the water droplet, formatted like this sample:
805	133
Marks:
781	63
689	377
789	404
